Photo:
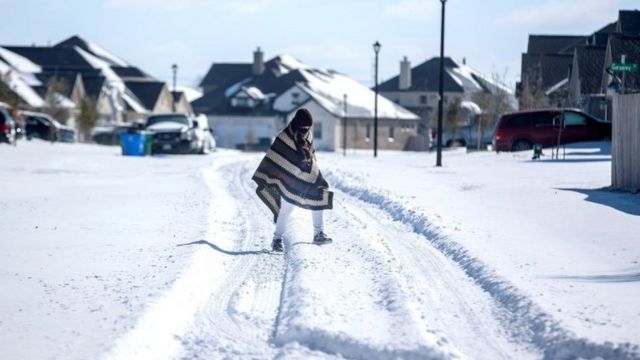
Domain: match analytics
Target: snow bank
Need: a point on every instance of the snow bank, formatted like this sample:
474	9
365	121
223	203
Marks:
527	319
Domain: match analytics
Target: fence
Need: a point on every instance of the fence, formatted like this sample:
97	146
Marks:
625	145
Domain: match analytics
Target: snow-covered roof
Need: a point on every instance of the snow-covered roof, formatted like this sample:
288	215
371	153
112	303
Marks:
20	86
19	62
328	89
253	92
557	86
190	93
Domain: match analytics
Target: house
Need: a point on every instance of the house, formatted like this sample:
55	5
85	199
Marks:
585	80
569	70
417	89
250	103
76	68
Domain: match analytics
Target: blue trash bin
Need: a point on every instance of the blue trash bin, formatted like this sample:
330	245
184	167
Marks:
132	143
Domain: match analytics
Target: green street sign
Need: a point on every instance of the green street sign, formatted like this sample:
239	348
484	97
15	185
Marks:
624	67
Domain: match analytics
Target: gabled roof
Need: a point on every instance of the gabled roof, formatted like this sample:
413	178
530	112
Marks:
272	81
222	75
177	95
550	68
590	65
629	22
147	92
553	44
51	57
76	41
425	77
93	85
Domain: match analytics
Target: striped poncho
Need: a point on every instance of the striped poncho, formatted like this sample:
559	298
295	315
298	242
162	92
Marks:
281	175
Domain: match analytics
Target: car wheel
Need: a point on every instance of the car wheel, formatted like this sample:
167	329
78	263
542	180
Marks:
522	145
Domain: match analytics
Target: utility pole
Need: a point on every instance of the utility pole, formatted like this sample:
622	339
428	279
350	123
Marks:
174	67
376	49
441	88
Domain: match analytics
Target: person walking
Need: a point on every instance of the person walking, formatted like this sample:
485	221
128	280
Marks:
288	177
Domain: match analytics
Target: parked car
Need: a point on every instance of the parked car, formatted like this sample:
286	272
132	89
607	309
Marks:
7	127
43	126
465	135
180	133
519	131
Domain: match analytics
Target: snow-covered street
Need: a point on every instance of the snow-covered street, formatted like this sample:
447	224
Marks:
490	257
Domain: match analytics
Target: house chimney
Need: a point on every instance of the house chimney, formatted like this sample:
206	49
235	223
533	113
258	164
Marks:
258	62
405	74
464	61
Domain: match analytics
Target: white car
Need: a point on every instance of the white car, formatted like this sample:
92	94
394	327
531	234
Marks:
180	133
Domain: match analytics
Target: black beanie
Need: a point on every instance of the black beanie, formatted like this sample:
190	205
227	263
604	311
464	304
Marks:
302	118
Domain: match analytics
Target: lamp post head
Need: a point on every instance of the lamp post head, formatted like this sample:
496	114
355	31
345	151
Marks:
376	47
174	67
443	1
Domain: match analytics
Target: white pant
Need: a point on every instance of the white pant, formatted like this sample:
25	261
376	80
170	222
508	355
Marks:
283	218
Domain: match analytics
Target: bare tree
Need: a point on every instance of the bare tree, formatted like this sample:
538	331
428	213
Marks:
8	96
452	118
493	101
532	95
54	99
88	117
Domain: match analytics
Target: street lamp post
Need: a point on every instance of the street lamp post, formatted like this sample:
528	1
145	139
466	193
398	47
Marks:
376	49
441	89
344	127
174	68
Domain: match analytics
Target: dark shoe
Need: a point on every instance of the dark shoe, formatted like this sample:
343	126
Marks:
276	245
321	239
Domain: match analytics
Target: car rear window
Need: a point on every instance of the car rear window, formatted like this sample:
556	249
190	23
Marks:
518	121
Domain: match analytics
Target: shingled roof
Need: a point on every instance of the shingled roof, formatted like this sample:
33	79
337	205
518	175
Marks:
553	44
51	58
425	77
271	81
629	22
222	75
551	68
590	66
147	92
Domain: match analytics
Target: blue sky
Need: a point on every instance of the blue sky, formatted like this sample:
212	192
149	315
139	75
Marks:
332	34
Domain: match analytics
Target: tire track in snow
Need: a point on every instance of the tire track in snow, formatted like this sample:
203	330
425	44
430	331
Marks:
523	318
444	298
237	320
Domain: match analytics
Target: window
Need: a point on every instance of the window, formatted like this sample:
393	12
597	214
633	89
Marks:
574	119
317	131
543	119
423	99
367	135
391	131
519	121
